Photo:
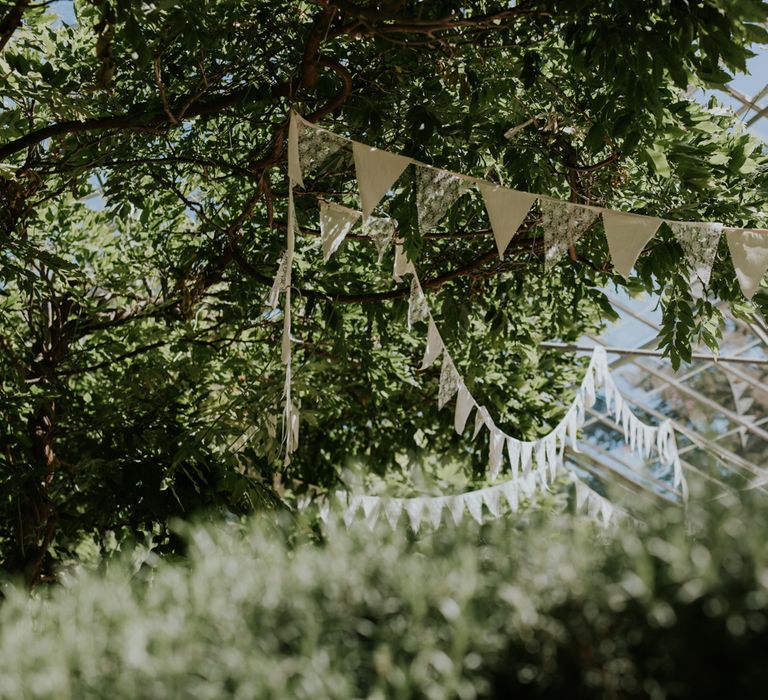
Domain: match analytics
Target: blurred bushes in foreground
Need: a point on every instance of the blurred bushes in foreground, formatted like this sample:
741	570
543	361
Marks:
534	606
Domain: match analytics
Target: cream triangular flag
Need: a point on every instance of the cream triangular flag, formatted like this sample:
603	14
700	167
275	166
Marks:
392	509
435	510
513	452
434	345
456	506
414	507
336	222
749	252
474	503
436	191
510	491
627	235
403	266
699	243
376	172
495	452
507	210
464	405
491	498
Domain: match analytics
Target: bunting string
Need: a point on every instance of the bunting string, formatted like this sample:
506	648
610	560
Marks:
563	223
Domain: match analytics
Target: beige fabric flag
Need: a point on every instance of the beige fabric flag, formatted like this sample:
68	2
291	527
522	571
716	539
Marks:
506	209
563	224
336	222
749	251
376	172
627	235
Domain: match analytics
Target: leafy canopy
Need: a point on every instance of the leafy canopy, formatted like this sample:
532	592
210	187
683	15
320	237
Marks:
142	214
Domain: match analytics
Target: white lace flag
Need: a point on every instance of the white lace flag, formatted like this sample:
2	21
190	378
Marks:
336	222
294	166
376	172
563	224
381	231
699	243
418	310
449	381
436	191
434	345
512	494
627	235
316	145
280	283
749	252
507	210
403	266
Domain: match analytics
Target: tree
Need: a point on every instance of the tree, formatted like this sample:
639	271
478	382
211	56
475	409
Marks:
142	213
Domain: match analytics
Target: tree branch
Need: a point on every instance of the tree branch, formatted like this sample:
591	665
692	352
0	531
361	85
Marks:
12	21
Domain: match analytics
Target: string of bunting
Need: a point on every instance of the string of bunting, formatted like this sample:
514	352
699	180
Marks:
563	223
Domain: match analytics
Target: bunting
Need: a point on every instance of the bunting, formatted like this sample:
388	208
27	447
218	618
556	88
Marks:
627	235
336	222
563	223
699	243
749	252
376	172
507	210
436	191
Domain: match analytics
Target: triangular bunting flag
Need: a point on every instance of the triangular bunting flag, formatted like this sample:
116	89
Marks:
456	506
294	166
507	210
491	498
434	345
381	231
414	507
699	243
495	452
627	235
336	222
513	452
403	266
464	405
392	509
749	252
418	309
435	511
510	491
482	417
315	146
280	283
474	504
376	172
563	224
436	191
449	382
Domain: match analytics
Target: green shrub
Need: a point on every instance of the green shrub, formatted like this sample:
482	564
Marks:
534	606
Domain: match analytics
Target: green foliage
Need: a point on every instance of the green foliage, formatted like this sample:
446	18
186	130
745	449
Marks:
142	213
540	606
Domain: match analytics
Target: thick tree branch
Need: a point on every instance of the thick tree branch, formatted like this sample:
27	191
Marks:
12	21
